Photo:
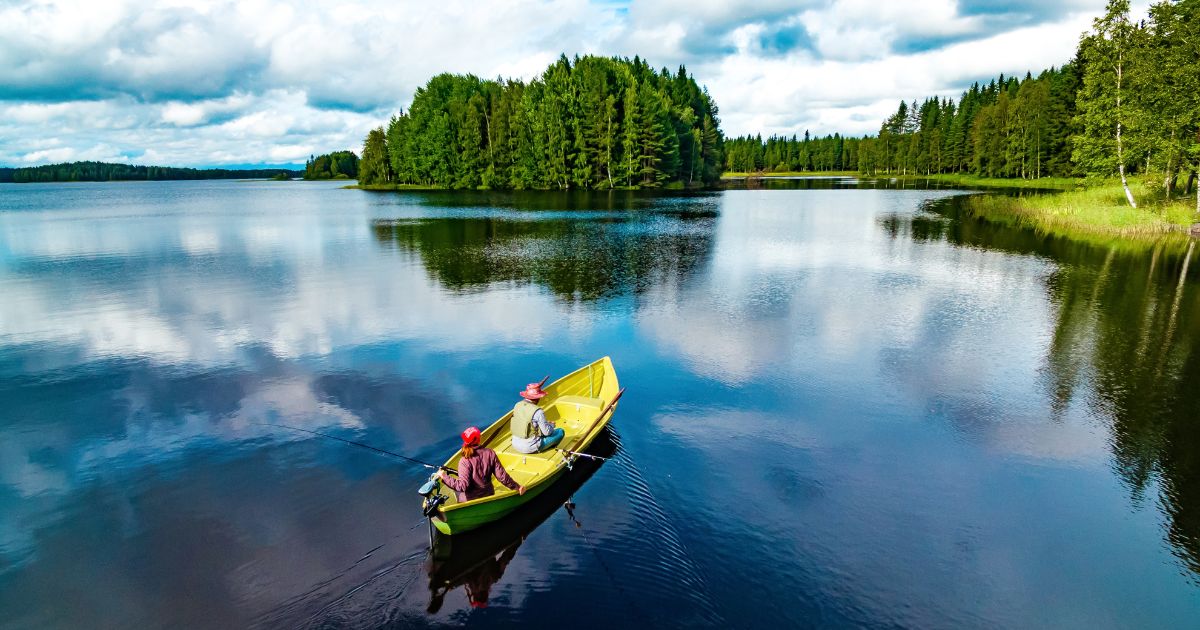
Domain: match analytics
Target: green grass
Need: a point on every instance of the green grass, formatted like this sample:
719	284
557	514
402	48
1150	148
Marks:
958	179
1100	210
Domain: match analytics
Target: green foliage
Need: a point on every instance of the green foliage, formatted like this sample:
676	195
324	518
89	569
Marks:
281	177
105	172
776	154
1108	101
337	165
1008	128
374	167
591	122
1099	210
1139	78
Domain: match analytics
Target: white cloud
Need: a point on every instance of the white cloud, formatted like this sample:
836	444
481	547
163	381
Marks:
183	114
65	154
275	127
202	82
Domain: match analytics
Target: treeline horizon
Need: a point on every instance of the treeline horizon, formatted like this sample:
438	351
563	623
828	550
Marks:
940	135
782	154
1129	102
594	122
110	172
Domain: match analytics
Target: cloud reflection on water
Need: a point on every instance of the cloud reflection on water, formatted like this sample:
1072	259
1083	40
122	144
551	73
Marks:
854	328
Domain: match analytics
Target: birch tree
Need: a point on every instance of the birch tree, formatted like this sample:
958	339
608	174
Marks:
1105	106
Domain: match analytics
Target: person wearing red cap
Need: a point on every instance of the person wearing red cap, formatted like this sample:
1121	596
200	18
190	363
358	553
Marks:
475	471
531	431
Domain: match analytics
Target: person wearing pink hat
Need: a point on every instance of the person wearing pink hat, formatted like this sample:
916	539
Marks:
476	469
531	431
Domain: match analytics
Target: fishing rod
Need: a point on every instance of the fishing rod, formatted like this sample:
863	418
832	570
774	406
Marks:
377	450
578	454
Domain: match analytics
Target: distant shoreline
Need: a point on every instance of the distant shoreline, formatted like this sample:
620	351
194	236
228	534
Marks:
111	171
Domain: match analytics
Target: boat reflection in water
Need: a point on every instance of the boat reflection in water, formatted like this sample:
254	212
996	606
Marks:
476	560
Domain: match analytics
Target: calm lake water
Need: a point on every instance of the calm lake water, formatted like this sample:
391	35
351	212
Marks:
847	407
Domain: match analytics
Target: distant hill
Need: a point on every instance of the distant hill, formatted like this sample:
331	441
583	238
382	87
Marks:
105	172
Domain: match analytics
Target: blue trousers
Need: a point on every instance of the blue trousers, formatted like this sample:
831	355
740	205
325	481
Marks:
552	440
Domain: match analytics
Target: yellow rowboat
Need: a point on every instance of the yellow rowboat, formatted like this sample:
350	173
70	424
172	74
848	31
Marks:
470	558
580	403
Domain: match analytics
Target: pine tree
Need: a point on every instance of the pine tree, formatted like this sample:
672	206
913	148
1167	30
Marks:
631	137
374	168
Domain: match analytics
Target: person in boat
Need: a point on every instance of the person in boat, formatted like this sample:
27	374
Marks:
531	431
476	469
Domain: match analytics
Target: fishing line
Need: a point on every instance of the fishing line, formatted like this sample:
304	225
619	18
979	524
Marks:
596	551
377	450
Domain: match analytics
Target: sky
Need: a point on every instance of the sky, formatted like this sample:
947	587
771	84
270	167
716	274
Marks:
223	83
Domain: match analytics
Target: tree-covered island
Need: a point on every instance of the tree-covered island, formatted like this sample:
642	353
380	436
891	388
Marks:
336	165
591	122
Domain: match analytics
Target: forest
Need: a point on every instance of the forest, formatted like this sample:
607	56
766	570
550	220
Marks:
1008	128
107	172
1129	102
591	122
336	165
752	153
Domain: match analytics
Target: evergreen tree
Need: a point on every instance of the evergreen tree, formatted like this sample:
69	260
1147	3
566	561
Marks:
631	137
374	168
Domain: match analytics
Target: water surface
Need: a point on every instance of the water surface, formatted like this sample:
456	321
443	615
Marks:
848	406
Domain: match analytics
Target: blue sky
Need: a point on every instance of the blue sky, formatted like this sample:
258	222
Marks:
213	82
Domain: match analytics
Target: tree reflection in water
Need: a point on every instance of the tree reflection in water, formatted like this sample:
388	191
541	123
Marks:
575	257
1128	321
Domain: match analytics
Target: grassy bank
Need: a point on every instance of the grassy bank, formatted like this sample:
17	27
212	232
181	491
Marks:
965	181
1095	211
1084	208
393	187
972	181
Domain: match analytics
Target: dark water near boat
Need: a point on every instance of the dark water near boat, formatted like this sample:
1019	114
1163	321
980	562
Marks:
847	407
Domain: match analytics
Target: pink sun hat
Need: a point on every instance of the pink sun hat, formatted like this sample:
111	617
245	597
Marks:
533	391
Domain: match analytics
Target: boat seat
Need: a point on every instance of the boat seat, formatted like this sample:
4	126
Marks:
579	402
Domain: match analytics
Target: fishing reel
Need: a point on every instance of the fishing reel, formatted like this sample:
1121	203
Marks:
430	486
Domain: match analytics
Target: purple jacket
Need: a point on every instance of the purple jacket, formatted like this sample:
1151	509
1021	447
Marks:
474	479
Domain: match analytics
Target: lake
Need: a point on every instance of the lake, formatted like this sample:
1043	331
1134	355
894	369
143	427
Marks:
849	405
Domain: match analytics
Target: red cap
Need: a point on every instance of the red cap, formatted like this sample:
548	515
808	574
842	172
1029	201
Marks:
470	436
533	391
